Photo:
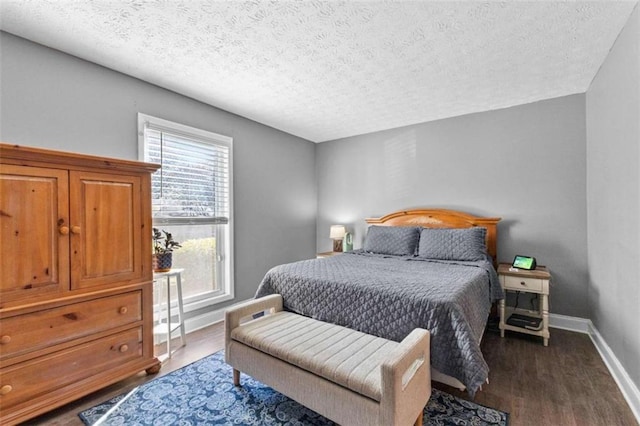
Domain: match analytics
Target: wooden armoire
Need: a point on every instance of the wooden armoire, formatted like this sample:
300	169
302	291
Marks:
76	297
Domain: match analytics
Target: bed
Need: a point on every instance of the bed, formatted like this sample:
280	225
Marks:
418	268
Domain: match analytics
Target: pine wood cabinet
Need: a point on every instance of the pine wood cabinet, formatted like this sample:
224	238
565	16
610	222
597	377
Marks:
76	284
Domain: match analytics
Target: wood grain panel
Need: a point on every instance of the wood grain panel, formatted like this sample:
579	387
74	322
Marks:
41	375
26	333
34	254
105	230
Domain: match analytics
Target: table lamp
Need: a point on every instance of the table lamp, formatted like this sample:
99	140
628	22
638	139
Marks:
337	234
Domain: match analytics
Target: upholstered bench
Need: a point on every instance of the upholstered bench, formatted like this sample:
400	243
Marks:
347	376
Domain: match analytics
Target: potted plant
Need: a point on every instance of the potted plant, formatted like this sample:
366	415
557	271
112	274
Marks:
163	247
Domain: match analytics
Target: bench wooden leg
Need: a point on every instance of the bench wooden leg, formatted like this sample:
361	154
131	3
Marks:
419	419
236	377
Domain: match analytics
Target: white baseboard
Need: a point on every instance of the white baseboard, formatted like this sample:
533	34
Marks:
620	375
581	325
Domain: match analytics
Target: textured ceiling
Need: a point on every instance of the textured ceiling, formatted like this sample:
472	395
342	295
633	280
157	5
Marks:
325	70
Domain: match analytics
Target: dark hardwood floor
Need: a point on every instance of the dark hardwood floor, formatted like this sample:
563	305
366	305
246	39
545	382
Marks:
565	383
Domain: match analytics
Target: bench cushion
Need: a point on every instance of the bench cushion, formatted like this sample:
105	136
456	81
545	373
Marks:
347	357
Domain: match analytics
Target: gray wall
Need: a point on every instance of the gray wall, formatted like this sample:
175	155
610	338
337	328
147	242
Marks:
526	164
613	198
53	100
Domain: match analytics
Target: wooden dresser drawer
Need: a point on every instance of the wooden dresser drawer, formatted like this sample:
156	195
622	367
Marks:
44	329
27	380
523	284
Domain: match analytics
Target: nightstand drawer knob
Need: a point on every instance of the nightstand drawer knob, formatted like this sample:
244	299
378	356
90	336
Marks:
523	283
123	310
6	389
124	348
5	339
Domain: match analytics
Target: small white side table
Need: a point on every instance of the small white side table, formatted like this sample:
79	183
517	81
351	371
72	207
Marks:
520	280
165	325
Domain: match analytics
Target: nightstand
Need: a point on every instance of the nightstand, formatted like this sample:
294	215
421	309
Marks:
327	254
523	281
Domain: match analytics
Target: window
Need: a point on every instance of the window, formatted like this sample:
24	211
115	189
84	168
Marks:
192	199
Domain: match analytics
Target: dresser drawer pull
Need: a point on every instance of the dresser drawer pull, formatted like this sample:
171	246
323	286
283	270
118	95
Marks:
523	283
5	339
123	310
6	389
124	348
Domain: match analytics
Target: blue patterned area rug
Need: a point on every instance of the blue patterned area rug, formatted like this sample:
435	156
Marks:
203	393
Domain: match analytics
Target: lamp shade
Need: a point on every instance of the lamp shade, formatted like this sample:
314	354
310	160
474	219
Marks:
337	232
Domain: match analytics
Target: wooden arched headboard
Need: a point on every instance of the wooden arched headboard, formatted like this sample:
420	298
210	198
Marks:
440	218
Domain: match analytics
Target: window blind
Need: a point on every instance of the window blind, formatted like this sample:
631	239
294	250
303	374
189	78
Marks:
193	183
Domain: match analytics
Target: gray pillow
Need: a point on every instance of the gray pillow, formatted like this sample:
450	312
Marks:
453	244
395	240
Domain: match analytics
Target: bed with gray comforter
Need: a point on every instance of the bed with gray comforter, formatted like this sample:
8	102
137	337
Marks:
388	296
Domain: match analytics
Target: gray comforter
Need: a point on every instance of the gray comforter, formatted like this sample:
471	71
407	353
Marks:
388	296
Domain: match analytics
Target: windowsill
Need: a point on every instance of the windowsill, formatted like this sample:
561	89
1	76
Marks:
210	301
196	305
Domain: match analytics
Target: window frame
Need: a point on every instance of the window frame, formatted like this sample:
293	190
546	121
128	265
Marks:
228	287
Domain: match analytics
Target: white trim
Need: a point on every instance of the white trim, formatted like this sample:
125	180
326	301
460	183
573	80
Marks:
627	387
564	322
625	384
209	318
203	303
197	305
146	121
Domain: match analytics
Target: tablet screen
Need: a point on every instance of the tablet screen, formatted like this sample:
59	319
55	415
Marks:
524	262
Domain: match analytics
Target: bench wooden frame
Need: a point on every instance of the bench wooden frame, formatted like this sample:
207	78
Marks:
405	387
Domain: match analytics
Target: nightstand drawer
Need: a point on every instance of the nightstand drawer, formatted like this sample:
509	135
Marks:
523	284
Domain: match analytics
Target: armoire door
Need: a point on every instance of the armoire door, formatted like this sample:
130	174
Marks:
105	229
34	228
